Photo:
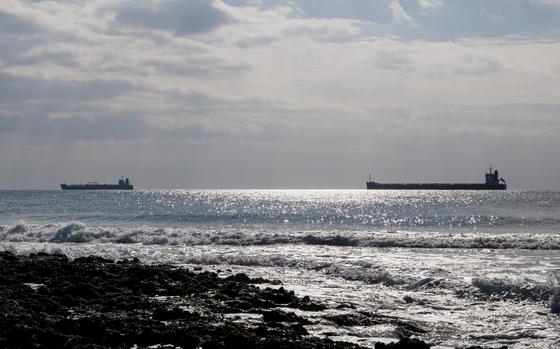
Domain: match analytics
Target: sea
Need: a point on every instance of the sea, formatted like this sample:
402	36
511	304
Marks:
468	267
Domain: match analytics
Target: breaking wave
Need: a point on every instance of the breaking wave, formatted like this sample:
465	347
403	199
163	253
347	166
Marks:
512	289
490	289
77	232
367	273
329	240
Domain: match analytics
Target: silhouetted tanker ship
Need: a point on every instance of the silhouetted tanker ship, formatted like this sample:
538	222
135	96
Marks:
493	182
124	184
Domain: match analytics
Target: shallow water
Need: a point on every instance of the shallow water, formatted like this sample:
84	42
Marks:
469	267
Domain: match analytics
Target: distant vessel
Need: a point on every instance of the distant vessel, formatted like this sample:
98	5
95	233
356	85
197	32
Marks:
124	184
493	182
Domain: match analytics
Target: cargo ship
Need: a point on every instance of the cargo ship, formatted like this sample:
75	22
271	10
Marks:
493	182
123	184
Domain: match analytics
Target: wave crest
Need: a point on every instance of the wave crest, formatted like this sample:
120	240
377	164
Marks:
17	229
78	233
512	289
337	240
369	275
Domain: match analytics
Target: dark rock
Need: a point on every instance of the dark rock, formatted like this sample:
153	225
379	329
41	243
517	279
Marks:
345	306
407	299
282	316
93	302
279	296
93	259
479	347
241	277
348	320
239	306
305	303
403	329
406	343
174	313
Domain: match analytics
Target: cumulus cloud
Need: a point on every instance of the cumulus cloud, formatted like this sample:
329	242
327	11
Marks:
201	82
183	17
547	2
11	24
256	3
430	4
399	14
195	67
73	129
14	88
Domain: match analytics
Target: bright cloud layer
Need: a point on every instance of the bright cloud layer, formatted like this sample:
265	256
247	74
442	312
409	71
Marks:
198	93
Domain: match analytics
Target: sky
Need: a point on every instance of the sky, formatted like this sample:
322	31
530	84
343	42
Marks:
279	94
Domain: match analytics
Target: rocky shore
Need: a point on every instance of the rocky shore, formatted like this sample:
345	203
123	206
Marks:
48	301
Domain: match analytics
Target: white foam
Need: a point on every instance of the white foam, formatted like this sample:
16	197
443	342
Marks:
372	275
77	232
512	289
378	279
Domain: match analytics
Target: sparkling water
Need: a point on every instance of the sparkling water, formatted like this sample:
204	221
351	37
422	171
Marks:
469	267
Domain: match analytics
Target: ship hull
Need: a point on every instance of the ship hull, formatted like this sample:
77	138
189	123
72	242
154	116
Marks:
434	186
96	187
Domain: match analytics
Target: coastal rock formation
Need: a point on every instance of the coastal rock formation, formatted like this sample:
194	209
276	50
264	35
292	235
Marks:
48	301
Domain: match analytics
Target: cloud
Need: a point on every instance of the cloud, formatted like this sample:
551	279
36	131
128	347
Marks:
194	132
12	24
15	88
118	127
257	40
399	14
182	17
547	2
266	88
320	29
430	4
73	129
256	3
196	67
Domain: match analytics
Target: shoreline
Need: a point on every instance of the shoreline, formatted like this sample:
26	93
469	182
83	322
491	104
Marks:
47	300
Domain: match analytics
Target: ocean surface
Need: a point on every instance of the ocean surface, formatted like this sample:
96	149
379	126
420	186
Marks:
469	267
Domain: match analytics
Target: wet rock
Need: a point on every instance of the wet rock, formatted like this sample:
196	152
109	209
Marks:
358	319
403	329
479	347
345	306
350	320
407	299
282	316
135	260
406	343
96	303
279	296
175	313
8	256
239	306
92	259
240	277
307	304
